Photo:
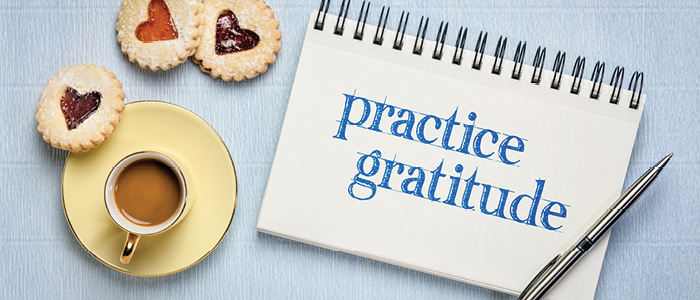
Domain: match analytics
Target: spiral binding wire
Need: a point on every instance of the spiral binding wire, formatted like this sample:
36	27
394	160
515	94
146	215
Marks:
597	78
518	59
323	8
577	74
459	46
636	82
440	41
418	49
398	43
538	63
616	83
479	50
379	38
340	27
359	33
558	69
500	52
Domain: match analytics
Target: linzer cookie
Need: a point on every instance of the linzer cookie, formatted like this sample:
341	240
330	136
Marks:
159	34
240	38
80	107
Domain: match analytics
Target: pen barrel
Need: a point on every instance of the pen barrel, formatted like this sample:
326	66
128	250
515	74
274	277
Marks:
620	206
552	275
561	264
603	224
635	190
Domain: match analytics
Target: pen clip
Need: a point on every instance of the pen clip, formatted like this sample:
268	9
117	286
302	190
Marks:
546	267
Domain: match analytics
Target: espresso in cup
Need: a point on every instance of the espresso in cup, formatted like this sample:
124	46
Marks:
147	192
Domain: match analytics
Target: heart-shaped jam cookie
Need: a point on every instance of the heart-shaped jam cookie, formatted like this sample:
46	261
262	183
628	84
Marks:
80	107
77	108
240	39
230	37
159	34
159	26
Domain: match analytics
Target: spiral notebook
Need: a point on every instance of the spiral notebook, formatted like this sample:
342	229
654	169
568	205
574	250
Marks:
455	161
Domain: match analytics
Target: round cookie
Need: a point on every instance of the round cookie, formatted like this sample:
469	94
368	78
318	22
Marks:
159	34
239	40
80	107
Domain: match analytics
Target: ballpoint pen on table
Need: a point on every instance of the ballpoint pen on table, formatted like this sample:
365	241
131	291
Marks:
560	264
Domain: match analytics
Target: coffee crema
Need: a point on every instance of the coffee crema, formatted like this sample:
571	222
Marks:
147	192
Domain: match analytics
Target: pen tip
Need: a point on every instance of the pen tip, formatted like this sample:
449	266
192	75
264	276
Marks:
664	160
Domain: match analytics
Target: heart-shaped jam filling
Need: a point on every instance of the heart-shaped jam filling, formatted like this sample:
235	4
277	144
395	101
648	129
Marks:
230	37
159	26
77	108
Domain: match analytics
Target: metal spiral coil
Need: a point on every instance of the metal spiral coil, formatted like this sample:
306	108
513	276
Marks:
636	82
359	33
379	38
577	73
340	27
597	79
616	83
499	53
418	49
398	43
440	41
518	59
558	69
538	63
323	8
459	46
479	50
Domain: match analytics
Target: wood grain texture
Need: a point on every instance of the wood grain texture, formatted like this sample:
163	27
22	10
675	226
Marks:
654	252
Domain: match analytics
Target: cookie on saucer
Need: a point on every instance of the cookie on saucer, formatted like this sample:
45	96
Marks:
80	107
159	34
240	38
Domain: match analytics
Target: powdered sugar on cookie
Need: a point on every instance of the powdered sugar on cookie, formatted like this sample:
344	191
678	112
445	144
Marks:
98	125
251	15
185	16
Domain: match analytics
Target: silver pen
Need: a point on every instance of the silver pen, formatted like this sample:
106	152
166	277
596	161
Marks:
557	267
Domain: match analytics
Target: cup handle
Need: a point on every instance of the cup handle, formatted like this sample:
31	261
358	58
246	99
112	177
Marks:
129	246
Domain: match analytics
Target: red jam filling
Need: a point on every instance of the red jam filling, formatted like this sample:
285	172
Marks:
230	37
77	108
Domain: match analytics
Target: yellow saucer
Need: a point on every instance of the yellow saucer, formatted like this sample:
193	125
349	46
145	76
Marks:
209	173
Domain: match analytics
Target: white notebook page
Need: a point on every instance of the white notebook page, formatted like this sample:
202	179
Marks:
336	178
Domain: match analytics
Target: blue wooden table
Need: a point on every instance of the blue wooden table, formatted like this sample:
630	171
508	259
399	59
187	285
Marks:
654	251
